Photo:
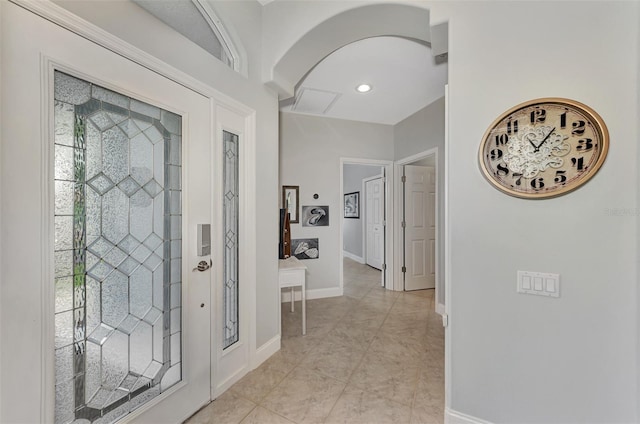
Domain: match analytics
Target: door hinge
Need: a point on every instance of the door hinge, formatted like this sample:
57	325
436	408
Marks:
445	320
384	266
384	223
404	224
404	269
404	178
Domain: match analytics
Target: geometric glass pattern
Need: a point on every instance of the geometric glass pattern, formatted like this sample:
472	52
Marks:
117	278
230	230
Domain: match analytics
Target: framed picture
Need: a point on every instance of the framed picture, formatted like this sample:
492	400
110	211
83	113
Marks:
291	202
305	248
352	205
315	216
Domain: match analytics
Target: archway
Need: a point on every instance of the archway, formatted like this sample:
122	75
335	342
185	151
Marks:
339	30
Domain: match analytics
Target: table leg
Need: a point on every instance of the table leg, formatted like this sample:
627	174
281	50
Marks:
304	312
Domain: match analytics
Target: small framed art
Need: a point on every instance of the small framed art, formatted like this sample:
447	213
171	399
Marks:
352	205
315	216
291	202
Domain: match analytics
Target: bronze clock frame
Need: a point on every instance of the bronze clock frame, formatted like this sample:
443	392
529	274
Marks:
501	132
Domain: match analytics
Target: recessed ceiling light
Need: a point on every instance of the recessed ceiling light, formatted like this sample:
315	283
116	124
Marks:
363	88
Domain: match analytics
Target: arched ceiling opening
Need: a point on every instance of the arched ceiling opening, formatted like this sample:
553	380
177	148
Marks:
403	74
344	28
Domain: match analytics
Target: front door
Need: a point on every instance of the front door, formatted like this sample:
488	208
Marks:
106	172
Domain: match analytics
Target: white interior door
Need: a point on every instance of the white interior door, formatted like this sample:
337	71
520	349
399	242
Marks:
420	230
374	212
106	170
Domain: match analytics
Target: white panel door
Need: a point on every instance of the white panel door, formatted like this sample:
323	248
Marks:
175	373
419	241
374	211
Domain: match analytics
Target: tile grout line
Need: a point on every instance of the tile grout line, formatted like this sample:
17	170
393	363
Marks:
365	298
358	301
361	359
260	403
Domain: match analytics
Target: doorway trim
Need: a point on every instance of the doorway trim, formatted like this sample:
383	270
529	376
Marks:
388	273
76	25
399	205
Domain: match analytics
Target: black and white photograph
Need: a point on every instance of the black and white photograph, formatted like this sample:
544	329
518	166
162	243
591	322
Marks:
352	205
291	201
305	248
315	216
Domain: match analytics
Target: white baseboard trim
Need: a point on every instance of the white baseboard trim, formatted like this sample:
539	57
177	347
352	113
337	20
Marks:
322	293
230	381
265	351
455	417
352	256
285	294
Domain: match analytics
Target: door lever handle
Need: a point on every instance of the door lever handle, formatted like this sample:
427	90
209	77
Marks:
203	266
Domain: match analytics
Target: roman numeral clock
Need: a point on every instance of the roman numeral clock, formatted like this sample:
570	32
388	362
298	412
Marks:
543	148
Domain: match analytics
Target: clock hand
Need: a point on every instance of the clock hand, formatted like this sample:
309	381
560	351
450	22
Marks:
545	139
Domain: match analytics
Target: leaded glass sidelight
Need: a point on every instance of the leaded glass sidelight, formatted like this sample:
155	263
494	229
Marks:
230	231
117	253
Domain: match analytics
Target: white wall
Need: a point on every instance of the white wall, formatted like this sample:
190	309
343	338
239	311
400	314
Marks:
352	228
126	20
421	131
310	152
520	358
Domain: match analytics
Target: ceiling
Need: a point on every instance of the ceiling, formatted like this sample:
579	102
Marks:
405	76
403	73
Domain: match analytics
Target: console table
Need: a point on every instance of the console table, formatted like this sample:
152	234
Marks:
292	274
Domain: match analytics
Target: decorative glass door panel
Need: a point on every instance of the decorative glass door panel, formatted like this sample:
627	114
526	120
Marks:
117	253
230	230
231	344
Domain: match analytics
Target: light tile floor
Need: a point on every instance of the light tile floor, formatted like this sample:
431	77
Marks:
371	356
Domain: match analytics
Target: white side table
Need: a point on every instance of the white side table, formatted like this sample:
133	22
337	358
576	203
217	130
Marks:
292	274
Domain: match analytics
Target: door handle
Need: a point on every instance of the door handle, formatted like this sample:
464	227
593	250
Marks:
203	266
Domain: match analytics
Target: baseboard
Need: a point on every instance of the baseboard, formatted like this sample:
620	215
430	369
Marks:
223	386
455	417
352	256
285	294
265	351
322	293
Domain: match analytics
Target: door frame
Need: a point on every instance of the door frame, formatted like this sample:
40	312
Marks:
388	273
67	20
399	206
245	346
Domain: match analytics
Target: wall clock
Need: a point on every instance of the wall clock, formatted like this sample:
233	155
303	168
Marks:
544	148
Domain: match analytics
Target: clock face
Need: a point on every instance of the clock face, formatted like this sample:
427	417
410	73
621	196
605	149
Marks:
544	148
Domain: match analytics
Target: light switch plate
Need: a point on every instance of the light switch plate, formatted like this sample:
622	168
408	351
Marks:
539	283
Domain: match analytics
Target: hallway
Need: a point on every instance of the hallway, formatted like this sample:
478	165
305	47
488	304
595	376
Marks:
370	356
